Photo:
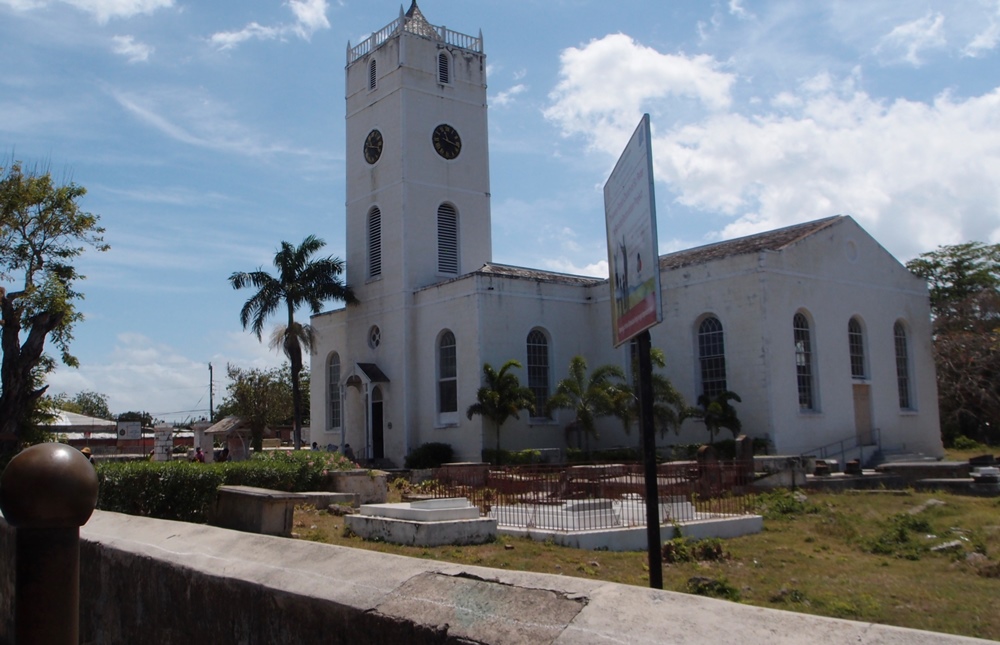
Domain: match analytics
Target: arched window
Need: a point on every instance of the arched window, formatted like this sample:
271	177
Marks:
447	374
372	75
804	362
538	370
856	344
444	68
712	357
447	239
333	420
374	242
902	366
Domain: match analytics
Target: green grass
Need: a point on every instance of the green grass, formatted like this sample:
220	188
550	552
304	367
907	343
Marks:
861	556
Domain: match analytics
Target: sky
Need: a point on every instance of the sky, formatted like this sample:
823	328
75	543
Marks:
206	133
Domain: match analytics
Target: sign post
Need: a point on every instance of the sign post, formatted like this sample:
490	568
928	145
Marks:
633	262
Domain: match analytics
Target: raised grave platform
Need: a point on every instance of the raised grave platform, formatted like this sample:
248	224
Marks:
428	523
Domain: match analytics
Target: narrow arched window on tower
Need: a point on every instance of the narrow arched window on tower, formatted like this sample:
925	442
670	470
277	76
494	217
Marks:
444	68
447	239
372	75
374	242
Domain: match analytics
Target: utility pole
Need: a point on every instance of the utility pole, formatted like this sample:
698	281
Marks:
211	392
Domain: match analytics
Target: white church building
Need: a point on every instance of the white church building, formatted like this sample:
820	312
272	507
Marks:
823	334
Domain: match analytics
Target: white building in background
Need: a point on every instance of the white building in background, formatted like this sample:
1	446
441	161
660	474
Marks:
822	333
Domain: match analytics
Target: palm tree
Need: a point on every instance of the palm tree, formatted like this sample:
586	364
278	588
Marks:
591	397
300	281
717	413
669	407
501	397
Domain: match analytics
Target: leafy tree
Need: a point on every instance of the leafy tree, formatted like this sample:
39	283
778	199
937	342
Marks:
717	413
590	397
964	281
42	230
301	280
958	276
91	404
262	398
501	397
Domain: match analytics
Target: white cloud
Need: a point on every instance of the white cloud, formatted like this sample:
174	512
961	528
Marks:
915	174
146	375
102	10
506	97
135	52
604	83
906	42
737	9
310	17
988	37
196	119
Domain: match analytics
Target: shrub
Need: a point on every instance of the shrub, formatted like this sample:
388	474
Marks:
429	455
713	588
182	490
681	549
511	457
896	539
961	442
783	503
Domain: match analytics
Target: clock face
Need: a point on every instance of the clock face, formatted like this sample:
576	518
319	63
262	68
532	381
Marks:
373	146
446	141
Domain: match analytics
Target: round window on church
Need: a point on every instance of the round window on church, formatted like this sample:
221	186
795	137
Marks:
374	337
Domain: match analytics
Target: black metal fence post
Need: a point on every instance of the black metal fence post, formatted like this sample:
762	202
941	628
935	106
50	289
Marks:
47	492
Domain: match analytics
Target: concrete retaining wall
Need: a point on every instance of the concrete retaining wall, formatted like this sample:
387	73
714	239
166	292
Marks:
156	581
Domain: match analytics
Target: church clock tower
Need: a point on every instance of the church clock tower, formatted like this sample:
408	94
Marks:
418	215
418	190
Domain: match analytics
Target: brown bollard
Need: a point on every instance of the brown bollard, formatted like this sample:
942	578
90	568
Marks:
47	492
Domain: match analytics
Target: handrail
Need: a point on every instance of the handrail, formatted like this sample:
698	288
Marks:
843	445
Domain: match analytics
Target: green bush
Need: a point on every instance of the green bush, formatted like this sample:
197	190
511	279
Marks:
430	455
183	490
782	503
961	442
896	539
681	549
714	588
512	457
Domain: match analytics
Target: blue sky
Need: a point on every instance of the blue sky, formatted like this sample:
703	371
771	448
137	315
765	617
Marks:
207	132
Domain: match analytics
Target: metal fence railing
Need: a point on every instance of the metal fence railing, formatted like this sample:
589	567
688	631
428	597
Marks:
596	496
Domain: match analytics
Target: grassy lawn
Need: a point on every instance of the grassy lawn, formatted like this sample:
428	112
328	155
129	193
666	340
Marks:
864	556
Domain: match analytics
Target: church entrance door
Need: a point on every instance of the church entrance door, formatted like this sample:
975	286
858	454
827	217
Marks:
378	438
863	413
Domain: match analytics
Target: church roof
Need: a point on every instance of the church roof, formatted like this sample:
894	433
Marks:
508	271
775	240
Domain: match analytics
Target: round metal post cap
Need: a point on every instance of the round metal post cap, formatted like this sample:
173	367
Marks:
48	485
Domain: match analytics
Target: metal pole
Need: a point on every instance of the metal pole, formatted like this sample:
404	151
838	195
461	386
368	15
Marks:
211	392
47	492
649	462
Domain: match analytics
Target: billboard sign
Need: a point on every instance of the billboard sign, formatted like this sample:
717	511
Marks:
633	254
